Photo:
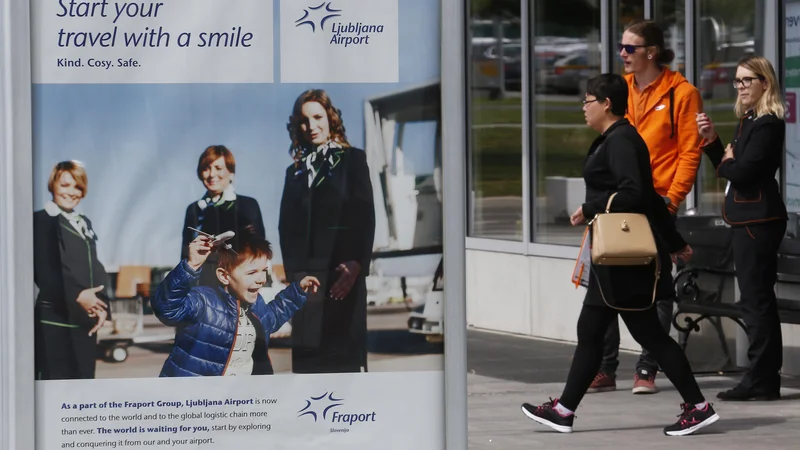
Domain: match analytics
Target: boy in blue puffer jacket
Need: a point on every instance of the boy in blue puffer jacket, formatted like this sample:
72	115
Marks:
224	330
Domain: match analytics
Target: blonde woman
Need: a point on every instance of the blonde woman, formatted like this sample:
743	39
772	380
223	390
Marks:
71	305
755	209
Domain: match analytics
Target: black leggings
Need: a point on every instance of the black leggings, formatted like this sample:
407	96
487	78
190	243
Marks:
645	328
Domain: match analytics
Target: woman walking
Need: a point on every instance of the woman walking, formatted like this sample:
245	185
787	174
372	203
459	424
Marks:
755	209
618	164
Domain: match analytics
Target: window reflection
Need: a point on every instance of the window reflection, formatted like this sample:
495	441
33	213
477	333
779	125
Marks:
725	33
495	82
567	53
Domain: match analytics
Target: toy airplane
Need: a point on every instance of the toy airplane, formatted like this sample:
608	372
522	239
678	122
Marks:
218	240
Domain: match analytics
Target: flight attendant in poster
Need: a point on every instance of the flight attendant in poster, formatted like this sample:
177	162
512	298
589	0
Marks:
327	227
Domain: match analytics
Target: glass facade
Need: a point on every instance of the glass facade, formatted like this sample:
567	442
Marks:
567	52
529	170
495	114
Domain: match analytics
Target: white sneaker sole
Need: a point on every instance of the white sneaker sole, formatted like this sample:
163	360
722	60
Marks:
559	428
691	430
645	390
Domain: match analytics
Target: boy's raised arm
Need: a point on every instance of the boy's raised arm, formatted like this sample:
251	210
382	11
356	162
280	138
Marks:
174	301
282	308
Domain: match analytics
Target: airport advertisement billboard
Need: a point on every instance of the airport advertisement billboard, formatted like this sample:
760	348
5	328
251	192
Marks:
237	188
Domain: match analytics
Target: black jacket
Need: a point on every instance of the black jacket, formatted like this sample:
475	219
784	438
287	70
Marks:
230	216
64	265
331	222
754	195
322	226
618	161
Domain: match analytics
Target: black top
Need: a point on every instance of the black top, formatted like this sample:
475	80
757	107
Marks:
754	195
65	263
232	215
618	161
333	220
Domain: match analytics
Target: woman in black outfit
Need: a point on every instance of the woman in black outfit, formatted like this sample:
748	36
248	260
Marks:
619	162
69	310
221	209
327	226
755	209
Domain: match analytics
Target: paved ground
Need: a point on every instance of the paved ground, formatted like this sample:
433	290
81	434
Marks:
505	371
389	344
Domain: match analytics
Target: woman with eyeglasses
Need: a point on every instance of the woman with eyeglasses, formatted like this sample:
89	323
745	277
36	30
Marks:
755	210
618	178
662	106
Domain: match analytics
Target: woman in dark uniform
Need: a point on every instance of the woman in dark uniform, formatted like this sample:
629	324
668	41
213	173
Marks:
327	227
221	209
69	310
755	210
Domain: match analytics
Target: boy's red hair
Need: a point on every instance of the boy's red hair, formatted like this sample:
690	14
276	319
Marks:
248	246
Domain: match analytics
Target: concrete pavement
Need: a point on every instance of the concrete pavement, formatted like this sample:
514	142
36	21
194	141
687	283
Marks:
618	420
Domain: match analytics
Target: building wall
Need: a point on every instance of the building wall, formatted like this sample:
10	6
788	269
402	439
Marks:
533	296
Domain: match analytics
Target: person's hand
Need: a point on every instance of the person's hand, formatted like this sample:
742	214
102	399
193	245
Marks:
89	301
577	217
728	153
349	272
101	319
705	127
199	249
684	254
309	284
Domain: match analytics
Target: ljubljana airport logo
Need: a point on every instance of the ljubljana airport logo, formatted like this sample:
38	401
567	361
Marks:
327	13
319	408
349	34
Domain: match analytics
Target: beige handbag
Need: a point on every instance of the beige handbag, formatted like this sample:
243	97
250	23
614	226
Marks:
623	239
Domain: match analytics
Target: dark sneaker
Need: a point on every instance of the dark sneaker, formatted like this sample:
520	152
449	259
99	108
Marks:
547	415
691	420
740	394
644	382
602	383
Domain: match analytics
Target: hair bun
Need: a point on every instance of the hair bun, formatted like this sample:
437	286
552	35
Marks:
666	56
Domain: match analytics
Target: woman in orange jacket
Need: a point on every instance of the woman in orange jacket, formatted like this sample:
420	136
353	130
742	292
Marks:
662	105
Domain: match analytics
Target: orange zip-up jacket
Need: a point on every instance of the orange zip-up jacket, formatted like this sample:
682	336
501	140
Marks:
665	115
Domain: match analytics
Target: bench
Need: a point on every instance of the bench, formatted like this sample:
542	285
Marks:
712	242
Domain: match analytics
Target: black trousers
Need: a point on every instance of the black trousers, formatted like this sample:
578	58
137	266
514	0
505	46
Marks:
62	352
755	254
644	327
330	336
646	360
665	306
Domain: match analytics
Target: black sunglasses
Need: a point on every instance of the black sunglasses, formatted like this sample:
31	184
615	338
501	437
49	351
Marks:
629	49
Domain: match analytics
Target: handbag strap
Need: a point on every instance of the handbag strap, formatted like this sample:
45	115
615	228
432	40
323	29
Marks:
655	289
608	205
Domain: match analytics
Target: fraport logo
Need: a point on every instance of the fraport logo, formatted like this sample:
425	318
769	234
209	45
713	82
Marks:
341	33
323	408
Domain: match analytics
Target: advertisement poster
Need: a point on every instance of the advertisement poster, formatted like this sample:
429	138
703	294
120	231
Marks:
237	224
792	81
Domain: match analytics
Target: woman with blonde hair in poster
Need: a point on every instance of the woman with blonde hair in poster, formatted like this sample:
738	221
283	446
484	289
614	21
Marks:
71	305
327	227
